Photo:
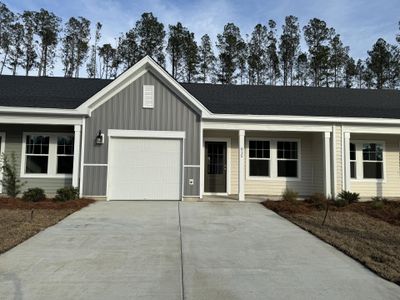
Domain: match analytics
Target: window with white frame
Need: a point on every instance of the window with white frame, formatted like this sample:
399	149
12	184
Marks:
47	154
372	160
287	158
259	157
273	158
366	160
65	154
353	168
37	154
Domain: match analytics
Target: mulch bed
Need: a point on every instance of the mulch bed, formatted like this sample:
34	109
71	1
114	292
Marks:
369	235
19	219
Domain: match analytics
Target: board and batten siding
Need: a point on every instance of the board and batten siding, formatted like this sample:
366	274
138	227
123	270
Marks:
14	144
312	169
125	111
390	186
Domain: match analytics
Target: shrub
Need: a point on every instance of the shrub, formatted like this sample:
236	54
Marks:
67	193
11	183
34	195
340	202
349	197
289	195
378	202
318	200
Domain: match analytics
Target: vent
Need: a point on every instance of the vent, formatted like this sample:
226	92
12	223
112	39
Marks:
148	96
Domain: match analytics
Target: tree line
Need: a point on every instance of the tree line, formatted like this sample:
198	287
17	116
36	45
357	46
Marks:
32	41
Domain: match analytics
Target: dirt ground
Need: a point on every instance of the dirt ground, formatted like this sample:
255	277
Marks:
369	235
19	220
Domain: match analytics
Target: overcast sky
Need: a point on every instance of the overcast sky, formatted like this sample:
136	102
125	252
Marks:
359	22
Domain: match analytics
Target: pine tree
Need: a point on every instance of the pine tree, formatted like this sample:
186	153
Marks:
107	56
350	71
302	69
91	67
230	45
288	47
257	59
48	27
29	60
7	19
339	55
360	69
151	35
190	57
206	60
75	45
317	36
378	62
175	48
273	59
128	49
15	53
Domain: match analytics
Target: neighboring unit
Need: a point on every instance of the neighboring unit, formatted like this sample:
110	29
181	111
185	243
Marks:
144	136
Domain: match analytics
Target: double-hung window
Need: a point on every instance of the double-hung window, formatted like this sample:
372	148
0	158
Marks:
287	159
47	155
366	160
272	158
37	154
259	158
372	160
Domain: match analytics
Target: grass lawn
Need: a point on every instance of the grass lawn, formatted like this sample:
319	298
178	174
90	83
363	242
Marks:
368	234
19	220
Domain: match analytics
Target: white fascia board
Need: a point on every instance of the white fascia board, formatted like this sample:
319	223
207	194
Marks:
130	76
288	118
146	134
265	126
40	119
372	129
40	111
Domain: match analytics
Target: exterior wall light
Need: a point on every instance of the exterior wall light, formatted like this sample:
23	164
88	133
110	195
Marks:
100	138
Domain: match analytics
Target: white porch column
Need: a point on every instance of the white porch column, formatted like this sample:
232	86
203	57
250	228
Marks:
327	163
241	165
77	148
346	161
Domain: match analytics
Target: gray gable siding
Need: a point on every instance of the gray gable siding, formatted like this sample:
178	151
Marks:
14	144
125	111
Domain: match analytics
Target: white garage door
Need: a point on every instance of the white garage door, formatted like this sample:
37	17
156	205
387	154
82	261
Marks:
145	169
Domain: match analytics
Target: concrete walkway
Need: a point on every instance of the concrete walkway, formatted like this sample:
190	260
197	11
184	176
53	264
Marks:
163	250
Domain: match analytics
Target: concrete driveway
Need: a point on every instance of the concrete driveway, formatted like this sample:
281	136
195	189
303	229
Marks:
171	250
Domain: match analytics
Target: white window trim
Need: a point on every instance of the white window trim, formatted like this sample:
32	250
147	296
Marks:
360	161
273	159
52	163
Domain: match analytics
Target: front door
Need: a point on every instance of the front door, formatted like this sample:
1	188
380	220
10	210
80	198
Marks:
215	167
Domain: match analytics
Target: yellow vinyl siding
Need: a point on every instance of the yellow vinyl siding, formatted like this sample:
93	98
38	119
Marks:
311	160
390	186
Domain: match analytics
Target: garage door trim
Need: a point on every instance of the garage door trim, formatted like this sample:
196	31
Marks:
146	134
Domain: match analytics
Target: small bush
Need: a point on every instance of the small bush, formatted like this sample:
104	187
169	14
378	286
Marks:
289	195
11	183
317	200
349	197
340	202
34	195
378	202
377	198
67	193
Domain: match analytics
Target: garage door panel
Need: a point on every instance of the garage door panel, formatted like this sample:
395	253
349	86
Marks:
141	169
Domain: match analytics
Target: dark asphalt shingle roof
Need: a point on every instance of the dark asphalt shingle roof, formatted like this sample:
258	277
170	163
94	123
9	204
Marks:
69	93
47	92
301	101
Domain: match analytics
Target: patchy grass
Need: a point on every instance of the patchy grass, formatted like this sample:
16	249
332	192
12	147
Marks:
369	235
19	220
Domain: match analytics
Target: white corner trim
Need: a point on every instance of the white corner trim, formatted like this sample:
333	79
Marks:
2	150
146	134
82	157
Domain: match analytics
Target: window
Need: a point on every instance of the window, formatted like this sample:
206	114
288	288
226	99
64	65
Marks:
372	160
259	156
287	159
37	154
216	158
65	154
47	155
353	166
